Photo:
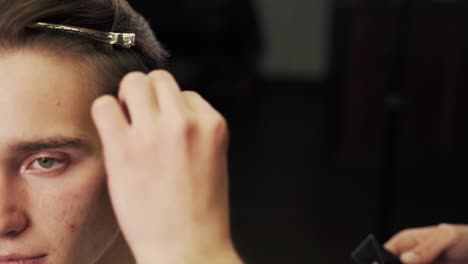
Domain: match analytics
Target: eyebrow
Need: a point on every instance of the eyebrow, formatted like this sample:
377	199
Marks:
49	143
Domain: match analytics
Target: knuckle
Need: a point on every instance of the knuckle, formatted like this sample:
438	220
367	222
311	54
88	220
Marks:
102	103
127	82
221	125
160	74
131	77
192	96
404	233
449	231
190	93
124	91
219	128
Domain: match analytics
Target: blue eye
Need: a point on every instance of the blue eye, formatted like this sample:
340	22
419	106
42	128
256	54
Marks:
46	163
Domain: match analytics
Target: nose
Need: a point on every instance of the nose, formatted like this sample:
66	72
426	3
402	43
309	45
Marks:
13	220
12	224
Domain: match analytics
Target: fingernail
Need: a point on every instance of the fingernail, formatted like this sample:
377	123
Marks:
409	257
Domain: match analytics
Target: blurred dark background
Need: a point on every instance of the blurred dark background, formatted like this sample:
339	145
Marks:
347	117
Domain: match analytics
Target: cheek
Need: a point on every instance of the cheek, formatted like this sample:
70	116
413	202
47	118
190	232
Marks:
74	203
76	207
78	213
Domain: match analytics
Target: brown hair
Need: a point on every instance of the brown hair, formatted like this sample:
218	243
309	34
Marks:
107	63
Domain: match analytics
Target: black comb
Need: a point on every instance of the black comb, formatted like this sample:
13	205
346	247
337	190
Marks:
370	251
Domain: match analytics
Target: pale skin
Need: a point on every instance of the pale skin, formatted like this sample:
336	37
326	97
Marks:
159	195
169	160
441	244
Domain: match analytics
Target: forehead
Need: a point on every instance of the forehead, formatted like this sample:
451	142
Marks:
41	96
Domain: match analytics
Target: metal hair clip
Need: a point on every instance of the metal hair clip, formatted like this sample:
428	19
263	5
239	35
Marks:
126	40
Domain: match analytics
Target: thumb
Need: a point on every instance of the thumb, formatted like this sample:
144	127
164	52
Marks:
110	121
431	248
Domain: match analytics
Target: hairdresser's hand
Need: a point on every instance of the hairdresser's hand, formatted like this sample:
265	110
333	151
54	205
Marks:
167	171
442	244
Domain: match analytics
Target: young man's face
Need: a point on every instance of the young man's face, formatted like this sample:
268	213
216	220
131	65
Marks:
53	198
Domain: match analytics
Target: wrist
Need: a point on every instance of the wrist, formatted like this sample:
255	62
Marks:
226	255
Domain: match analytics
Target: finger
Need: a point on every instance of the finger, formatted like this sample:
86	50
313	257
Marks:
167	91
430	249
196	103
212	122
407	240
110	120
139	98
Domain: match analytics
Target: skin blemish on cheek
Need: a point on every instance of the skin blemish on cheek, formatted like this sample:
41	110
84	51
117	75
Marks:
72	228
